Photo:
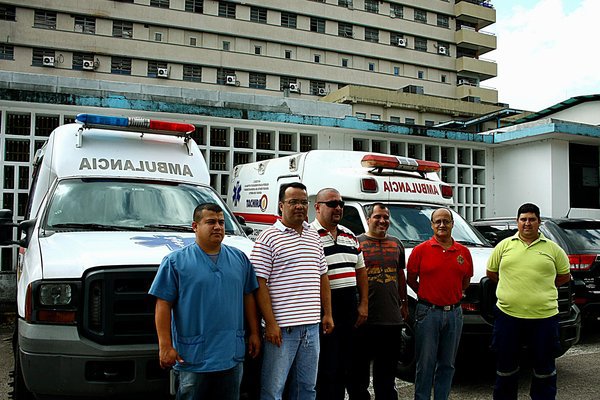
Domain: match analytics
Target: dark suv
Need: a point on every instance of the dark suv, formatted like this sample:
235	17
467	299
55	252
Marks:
580	238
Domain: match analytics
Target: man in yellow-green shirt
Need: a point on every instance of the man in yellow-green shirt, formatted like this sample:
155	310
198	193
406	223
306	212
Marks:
528	268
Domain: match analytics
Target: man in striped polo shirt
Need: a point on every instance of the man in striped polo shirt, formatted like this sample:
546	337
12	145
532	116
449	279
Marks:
348	281
293	287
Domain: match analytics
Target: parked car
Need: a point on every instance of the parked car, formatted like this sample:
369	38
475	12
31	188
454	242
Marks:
580	238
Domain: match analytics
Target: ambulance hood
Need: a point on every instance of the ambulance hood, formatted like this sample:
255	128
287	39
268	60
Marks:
70	254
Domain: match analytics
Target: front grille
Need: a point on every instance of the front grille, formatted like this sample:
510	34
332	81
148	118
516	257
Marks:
117	306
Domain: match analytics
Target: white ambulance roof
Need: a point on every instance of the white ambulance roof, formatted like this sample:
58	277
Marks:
123	154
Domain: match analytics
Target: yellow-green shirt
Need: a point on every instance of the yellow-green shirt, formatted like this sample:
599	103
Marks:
526	286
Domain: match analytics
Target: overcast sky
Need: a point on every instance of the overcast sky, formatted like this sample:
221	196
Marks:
548	51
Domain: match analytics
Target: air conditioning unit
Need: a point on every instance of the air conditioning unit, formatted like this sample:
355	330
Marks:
295	87
402	42
88	65
162	72
48	61
322	92
442	50
231	80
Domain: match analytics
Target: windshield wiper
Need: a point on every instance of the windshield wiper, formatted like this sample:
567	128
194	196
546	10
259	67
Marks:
91	227
467	243
175	228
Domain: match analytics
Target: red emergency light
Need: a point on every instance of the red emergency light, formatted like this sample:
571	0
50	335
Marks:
399	163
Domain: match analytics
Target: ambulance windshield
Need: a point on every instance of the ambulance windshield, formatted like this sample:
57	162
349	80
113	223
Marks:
111	204
412	225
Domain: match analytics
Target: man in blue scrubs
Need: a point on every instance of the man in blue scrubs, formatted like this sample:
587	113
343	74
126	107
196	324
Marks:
202	293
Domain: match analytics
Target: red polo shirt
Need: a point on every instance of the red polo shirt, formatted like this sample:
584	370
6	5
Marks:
440	271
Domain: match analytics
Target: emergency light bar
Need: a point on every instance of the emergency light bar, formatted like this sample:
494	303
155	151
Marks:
399	163
135	123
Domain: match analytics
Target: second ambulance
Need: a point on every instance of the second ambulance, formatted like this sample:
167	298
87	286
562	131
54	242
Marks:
411	190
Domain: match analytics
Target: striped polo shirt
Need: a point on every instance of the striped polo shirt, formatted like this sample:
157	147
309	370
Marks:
292	264
343	255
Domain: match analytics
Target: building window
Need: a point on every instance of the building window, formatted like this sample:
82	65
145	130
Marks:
241	139
317	25
258	80
306	143
409	121
258	14
7	13
345	30
375	117
443	21
315	86
159	3
286	142
45	124
420	44
395	38
158	36
420	74
263	140
345	62
122	29
285	81
79	58
16	150
360	115
371	66
44	19
218	161
226	9
372	35
85	24
153	67
372	6
396	11
444	78
120	65
429	122
18	124
396	70
38	55
288	20
420	16
317	58
345	3
192	73
223	73
288	54
257	50
584	181
226	45
218	137
193	41
7	52
395	120
195	6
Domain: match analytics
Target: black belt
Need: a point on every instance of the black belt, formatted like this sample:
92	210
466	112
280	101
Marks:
436	307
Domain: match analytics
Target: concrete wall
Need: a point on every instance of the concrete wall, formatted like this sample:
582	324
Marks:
536	172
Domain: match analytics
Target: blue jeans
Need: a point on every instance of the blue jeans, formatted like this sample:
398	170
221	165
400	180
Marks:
298	356
541	336
437	337
209	385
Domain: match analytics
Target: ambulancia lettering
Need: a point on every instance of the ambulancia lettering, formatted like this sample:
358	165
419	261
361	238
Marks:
139	166
411	187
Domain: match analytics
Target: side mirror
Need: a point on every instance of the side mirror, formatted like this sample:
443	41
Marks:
27	228
247	230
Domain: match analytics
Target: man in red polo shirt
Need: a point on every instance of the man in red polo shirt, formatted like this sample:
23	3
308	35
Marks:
438	270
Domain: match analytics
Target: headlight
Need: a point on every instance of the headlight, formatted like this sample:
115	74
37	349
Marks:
55	294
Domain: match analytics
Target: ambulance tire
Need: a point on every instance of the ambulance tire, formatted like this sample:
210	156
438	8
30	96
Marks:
20	391
407	362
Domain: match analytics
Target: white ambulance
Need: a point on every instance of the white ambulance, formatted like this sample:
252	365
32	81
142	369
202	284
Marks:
411	189
110	197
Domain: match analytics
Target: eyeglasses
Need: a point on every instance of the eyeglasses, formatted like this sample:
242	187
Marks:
439	222
296	202
332	203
